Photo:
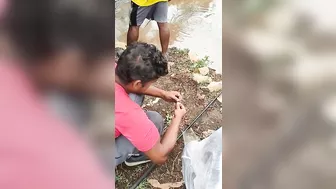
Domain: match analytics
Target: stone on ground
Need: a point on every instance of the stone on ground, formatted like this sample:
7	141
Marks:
215	86
204	70
201	78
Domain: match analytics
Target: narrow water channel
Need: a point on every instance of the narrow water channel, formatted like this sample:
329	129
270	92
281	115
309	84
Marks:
194	24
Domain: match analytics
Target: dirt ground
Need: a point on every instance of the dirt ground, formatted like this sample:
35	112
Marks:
195	98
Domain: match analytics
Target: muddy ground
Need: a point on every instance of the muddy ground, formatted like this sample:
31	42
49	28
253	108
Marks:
195	98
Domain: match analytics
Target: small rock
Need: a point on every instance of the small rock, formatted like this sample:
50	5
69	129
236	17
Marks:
152	102
155	101
204	70
201	78
215	86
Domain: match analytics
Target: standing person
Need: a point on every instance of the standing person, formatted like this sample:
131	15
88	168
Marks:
153	10
137	131
51	46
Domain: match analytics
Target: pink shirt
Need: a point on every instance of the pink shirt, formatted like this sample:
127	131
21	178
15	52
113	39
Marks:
3	5
38	151
132	122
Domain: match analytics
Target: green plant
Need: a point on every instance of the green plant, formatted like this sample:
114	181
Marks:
138	169
183	51
202	63
143	185
168	118
117	178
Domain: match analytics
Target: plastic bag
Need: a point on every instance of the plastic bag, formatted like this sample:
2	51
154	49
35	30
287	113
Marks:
202	163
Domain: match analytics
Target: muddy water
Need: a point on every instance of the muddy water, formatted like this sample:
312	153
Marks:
194	24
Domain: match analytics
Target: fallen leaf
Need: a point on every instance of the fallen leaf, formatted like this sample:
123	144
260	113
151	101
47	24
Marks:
157	184
175	184
154	183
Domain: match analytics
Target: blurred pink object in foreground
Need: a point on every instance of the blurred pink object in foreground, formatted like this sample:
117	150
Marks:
3	4
37	151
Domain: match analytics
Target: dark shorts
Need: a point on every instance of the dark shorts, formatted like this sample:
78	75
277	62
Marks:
157	12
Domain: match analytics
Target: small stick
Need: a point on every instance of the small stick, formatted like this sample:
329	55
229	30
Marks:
174	163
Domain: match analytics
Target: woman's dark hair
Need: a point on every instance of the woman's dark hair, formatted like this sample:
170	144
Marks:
40	28
141	61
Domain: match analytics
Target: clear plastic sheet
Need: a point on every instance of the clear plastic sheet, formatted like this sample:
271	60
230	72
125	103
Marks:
202	162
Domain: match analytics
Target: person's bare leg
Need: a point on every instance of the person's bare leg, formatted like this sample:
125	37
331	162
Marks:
132	34
164	36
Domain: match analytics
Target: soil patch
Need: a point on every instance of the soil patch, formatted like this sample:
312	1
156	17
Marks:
195	97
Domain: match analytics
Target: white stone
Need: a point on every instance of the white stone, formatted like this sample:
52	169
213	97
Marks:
204	70
201	78
215	86
156	100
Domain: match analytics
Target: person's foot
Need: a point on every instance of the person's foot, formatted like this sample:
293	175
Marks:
137	159
166	56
